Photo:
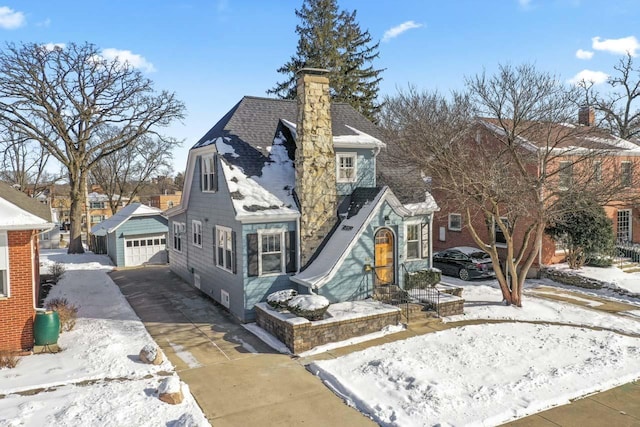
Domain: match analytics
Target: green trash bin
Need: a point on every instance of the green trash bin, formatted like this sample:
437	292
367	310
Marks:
46	328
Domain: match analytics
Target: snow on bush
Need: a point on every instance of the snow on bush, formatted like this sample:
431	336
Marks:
311	307
280	299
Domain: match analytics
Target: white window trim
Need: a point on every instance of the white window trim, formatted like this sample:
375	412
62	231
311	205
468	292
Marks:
565	167
196	233
4	264
283	260
354	178
630	212
178	231
207	185
406	240
449	222
221	264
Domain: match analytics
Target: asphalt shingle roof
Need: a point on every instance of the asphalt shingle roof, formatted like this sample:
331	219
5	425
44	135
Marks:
24	202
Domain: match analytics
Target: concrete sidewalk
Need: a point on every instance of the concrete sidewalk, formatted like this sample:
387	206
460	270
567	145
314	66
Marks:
238	380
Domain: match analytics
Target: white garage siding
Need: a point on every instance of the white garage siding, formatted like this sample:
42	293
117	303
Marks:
141	249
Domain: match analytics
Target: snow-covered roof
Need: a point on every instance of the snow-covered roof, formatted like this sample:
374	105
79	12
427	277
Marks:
426	207
20	212
266	194
133	210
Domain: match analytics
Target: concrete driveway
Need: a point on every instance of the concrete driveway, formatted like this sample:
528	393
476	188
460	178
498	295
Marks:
236	379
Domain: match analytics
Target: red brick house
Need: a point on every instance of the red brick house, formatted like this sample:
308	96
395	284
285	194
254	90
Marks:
618	165
21	220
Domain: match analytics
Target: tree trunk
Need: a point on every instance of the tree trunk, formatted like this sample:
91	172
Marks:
77	200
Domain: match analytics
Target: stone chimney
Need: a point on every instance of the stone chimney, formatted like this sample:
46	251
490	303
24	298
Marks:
586	116
315	161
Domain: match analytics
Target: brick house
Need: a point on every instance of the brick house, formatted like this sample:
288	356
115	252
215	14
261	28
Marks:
616	166
21	220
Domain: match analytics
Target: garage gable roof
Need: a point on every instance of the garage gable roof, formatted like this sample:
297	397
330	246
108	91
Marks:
133	210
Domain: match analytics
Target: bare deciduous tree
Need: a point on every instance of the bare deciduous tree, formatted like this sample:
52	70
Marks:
125	173
61	97
619	107
24	163
501	153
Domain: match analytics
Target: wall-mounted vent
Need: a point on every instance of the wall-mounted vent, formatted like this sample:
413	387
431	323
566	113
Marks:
196	280
224	298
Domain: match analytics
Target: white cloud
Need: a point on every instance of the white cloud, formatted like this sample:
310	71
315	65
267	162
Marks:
584	54
620	46
596	77
525	4
135	60
399	29
10	19
52	46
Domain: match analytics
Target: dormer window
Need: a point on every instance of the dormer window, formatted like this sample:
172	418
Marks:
208	170
346	167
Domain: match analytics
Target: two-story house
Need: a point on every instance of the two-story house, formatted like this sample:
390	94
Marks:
282	194
589	155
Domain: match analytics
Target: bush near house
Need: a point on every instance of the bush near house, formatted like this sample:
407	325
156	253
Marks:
8	359
311	307
422	279
66	311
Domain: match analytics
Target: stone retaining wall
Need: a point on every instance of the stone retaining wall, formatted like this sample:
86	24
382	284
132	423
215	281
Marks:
575	279
300	334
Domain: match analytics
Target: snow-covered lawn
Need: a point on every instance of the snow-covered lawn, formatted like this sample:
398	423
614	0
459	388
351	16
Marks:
97	379
487	374
614	276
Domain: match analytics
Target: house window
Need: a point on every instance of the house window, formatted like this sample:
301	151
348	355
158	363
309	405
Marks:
178	229
625	174
346	164
413	241
196	230
208	173
271	259
225	249
566	175
97	218
4	265
96	205
597	171
455	221
499	236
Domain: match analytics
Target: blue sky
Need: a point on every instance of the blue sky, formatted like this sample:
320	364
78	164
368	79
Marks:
211	53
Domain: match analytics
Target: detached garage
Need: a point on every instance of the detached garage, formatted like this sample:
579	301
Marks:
136	235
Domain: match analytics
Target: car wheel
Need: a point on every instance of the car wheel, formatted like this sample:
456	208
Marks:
463	273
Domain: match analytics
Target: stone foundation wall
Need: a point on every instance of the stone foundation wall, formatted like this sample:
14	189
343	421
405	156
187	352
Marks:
300	335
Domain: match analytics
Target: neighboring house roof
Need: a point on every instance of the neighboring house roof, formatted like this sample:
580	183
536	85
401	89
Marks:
363	205
21	212
566	137
407	181
133	210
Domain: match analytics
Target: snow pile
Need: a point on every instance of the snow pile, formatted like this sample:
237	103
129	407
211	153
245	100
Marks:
477	375
279	299
169	385
97	378
308	302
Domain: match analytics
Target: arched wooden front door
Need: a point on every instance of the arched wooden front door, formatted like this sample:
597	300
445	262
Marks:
384	259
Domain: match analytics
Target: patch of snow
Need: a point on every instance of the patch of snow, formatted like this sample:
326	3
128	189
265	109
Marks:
477	375
169	385
308	302
11	215
613	276
185	355
359	139
267	338
224	148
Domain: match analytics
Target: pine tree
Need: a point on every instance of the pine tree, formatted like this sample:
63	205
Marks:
333	40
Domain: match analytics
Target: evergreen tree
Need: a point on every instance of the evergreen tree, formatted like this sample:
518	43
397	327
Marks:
333	40
584	229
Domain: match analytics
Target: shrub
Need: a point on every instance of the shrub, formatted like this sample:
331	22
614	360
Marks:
422	279
56	270
66	311
600	261
279	299
311	307
8	359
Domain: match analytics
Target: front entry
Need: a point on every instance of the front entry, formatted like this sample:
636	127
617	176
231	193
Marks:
384	259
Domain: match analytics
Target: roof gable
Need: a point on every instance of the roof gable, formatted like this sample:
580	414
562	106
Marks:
19	211
133	210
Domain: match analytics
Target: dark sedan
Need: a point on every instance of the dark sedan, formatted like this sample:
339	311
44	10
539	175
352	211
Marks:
464	262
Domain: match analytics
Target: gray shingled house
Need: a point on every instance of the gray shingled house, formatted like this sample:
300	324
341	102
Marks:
282	194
